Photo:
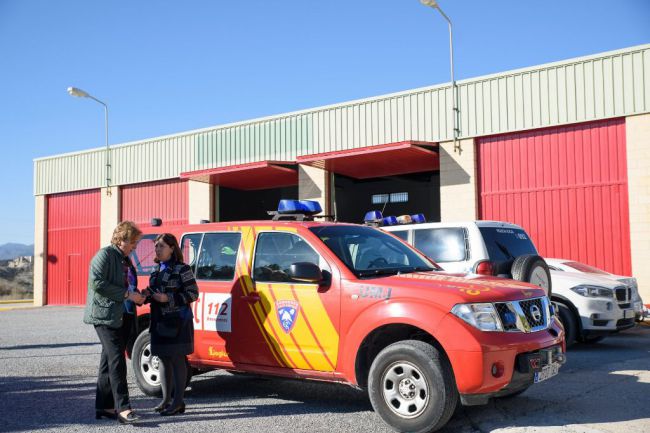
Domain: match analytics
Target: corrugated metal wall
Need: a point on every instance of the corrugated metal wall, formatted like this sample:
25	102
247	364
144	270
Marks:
73	221
566	186
167	200
609	85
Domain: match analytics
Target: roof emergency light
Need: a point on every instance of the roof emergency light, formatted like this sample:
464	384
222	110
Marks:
306	207
404	219
373	217
389	221
418	218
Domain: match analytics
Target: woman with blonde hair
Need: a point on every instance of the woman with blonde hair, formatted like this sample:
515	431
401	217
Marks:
172	288
110	307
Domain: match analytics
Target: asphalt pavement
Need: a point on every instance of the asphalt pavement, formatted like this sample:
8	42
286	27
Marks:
49	358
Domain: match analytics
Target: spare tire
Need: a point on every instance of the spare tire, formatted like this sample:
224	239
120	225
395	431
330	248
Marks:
532	269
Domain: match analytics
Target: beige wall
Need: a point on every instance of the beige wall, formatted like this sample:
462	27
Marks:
458	200
637	131
313	184
40	250
201	201
110	214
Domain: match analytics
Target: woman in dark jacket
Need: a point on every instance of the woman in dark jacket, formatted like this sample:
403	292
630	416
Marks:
112	293
173	288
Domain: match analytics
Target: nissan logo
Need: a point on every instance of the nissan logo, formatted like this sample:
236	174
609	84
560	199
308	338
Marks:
536	313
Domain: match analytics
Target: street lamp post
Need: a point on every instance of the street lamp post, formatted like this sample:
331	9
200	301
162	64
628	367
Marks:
454	90
73	91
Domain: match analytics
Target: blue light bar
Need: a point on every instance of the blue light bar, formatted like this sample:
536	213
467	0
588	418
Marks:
372	216
389	221
306	207
418	218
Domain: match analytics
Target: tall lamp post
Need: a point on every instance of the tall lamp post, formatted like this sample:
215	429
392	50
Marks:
456	113
73	91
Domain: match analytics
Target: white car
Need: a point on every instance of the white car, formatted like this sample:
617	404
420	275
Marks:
640	312
588	305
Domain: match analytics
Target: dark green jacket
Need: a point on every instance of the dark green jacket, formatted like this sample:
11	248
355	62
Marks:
106	289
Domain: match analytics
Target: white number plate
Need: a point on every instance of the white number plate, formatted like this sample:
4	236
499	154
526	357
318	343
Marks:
547	372
628	314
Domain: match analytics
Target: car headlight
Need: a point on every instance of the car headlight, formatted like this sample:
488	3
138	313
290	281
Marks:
480	316
593	291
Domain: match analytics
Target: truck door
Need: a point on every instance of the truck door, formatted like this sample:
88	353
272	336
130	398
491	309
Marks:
297	322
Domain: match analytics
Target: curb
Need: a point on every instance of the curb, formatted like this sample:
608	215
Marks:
17	301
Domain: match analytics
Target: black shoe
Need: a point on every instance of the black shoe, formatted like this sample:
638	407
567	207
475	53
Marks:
173	410
130	418
110	414
161	406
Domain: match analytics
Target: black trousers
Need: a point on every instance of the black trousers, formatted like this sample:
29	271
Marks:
112	388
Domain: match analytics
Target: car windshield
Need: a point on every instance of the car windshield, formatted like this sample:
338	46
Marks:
369	252
585	268
504	244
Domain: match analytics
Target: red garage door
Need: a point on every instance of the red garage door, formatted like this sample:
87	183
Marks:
167	200
567	186
73	221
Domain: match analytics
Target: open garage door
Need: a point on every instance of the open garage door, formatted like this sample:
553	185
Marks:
248	191
567	186
400	178
73	221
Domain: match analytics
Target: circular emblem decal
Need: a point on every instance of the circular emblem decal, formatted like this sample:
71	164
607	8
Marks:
535	313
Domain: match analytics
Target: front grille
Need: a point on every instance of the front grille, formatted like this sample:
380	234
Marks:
624	306
623	294
529	316
625	322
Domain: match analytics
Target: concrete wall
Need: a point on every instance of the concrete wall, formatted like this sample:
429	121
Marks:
458	188
201	202
110	214
40	250
314	184
637	131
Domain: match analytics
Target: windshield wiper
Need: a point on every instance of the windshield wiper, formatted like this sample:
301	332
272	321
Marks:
504	250
379	272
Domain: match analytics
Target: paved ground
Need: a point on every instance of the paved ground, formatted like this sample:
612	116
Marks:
48	362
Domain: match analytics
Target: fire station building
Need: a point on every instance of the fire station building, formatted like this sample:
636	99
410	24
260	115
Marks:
562	149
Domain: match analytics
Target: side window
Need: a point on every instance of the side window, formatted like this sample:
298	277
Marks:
218	256
190	248
143	254
276	252
442	245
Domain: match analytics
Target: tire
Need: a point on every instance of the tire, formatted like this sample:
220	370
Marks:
146	366
425	397
532	269
570	324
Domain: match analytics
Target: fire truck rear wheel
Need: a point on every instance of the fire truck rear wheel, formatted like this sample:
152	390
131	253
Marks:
147	366
411	386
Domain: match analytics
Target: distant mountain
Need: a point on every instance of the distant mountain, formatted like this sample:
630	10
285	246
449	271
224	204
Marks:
11	251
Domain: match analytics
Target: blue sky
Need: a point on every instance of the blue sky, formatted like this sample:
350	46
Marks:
168	66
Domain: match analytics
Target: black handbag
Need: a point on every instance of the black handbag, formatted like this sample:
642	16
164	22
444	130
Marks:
170	324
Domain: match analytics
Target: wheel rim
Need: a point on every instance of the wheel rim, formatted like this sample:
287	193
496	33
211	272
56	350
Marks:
539	278
150	366
405	389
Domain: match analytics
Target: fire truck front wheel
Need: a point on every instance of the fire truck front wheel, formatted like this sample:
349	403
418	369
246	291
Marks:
147	366
411	386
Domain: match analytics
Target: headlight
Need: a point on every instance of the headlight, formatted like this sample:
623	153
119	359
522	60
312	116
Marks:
593	291
480	316
629	282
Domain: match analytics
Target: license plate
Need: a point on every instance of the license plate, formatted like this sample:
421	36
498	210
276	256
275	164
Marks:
628	314
547	372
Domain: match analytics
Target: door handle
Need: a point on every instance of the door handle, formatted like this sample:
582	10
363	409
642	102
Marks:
252	298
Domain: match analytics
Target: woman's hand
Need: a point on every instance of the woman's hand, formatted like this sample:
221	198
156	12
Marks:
160	297
136	297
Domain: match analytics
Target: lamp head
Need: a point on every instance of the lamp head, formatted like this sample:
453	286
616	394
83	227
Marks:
73	91
432	3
